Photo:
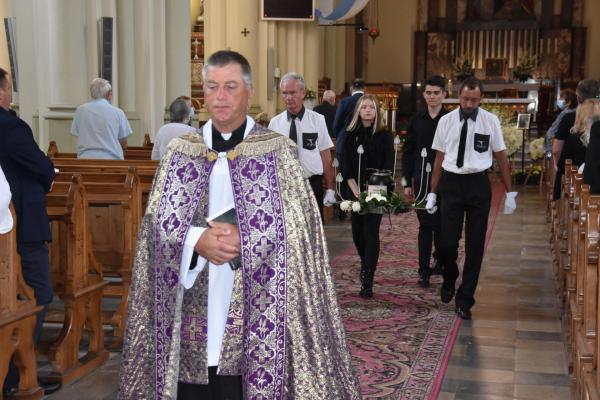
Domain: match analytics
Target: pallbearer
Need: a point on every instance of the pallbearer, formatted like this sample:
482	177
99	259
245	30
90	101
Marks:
466	141
417	154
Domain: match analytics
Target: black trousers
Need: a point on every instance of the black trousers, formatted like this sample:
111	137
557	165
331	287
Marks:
316	183
365	234
220	387
35	266
429	234
466	199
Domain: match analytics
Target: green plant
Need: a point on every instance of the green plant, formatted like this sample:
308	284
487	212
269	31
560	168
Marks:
464	67
525	67
310	93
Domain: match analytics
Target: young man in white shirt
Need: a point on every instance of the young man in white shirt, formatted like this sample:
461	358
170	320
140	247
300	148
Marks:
309	130
466	140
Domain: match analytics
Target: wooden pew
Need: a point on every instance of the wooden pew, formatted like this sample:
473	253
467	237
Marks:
77	280
130	153
18	311
560	236
114	210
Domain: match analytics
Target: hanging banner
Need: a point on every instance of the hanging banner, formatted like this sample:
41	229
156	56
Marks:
345	9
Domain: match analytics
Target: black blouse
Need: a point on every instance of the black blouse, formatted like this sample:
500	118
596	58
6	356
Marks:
378	154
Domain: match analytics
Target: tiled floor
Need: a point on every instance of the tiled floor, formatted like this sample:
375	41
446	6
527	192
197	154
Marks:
513	348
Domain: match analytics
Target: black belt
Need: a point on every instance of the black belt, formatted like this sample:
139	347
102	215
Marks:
480	173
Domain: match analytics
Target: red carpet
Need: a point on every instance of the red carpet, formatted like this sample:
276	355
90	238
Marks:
402	338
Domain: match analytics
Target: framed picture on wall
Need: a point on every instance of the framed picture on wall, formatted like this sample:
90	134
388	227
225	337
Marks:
523	121
496	68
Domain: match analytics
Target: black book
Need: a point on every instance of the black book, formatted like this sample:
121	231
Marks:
229	216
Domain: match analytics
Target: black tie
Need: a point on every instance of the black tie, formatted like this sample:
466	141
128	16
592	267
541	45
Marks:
461	145
293	133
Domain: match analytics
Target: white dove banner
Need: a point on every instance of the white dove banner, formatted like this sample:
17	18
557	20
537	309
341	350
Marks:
328	14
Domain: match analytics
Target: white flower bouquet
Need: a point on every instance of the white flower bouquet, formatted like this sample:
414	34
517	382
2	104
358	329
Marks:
536	148
376	203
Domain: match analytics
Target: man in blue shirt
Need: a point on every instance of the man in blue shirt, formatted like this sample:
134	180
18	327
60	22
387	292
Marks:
100	127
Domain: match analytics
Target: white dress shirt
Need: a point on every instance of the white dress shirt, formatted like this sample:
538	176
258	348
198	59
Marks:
484	137
220	277
312	138
165	134
6	221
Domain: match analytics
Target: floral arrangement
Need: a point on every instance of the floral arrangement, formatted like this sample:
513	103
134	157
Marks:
376	203
525	66
536	149
513	139
309	93
464	67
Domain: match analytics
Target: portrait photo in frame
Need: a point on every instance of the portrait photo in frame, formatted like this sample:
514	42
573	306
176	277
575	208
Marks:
523	121
496	68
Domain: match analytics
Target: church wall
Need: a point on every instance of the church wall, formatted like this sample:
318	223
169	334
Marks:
390	56
4	60
592	22
58	57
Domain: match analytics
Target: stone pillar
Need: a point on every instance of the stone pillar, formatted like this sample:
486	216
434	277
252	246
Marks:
178	57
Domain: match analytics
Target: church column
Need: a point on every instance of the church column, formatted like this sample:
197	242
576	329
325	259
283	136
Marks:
150	66
312	55
215	22
178	57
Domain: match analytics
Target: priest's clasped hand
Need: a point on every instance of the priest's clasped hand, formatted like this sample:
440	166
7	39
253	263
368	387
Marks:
430	206
329	198
510	204
220	243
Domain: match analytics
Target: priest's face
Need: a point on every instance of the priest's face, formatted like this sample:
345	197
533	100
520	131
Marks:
293	95
227	97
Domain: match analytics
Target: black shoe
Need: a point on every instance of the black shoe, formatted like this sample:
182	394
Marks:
424	278
50	387
438	268
463	313
7	393
366	289
446	293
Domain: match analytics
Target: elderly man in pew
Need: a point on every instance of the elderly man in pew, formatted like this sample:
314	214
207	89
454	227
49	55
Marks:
181	114
30	175
101	128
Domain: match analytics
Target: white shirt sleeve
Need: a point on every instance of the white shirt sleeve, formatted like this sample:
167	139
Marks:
6	221
124	128
187	277
75	124
497	138
440	134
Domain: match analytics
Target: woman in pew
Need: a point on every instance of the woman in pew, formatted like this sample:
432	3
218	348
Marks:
6	221
575	146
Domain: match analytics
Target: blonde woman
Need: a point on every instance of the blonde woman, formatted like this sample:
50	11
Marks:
586	113
366	130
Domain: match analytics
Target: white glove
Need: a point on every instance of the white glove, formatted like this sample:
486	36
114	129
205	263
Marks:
329	198
510	204
430	205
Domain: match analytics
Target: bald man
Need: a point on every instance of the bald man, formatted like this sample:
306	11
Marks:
327	109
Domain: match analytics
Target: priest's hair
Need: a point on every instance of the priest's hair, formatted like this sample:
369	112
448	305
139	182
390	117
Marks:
222	58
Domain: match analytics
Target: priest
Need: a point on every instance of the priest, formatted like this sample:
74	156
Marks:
200	328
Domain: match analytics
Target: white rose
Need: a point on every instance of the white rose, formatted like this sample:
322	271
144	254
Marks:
345	205
379	197
356	206
370	197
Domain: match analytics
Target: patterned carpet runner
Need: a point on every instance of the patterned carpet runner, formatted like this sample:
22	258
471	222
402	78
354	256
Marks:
402	338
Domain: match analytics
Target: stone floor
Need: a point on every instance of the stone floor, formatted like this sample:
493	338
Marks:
513	348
